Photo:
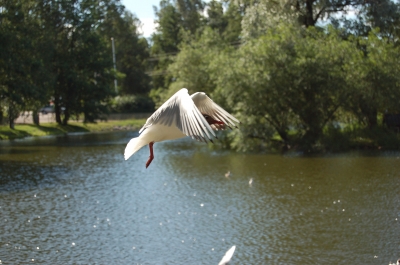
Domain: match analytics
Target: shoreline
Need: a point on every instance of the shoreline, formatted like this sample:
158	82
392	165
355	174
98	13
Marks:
23	130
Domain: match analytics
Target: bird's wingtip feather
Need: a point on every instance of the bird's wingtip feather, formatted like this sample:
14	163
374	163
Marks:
228	256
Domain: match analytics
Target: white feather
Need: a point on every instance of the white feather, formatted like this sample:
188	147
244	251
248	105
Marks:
228	256
133	146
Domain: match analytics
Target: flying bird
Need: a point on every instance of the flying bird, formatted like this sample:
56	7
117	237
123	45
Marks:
182	115
228	256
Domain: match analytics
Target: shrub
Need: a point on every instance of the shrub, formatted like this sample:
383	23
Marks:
131	104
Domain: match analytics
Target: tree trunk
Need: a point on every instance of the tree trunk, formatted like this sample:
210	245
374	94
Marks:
35	117
66	117
57	110
12	115
309	16
12	124
372	118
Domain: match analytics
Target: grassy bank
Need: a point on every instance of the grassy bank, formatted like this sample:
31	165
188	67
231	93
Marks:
25	130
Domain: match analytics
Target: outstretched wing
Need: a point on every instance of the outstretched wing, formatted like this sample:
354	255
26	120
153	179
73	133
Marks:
180	111
212	109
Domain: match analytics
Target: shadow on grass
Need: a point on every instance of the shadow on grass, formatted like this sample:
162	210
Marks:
60	129
13	134
25	130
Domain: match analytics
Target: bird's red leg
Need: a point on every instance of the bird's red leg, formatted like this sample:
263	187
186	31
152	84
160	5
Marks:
151	154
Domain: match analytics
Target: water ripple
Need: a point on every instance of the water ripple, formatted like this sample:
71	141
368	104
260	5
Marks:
74	200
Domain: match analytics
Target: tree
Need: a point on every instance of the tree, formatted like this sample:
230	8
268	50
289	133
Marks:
228	23
80	65
375	80
382	14
191	67
385	15
288	80
22	73
215	18
165	45
180	31
233	16
131	50
190	11
263	14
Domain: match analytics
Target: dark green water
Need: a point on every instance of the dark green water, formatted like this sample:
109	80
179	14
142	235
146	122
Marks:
74	200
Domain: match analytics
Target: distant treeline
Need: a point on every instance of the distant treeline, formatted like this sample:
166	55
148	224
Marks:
306	74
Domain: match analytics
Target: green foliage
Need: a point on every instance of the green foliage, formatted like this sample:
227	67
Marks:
191	14
165	45
81	64
374	78
291	79
131	104
179	27
299	82
22	70
335	139
131	51
191	65
61	50
271	63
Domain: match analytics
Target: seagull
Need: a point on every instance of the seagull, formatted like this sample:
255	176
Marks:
182	115
228	256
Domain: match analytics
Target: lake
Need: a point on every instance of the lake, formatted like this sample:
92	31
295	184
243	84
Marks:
73	199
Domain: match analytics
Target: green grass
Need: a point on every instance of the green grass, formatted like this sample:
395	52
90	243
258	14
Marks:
24	130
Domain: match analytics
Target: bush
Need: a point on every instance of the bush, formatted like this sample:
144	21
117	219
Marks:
131	104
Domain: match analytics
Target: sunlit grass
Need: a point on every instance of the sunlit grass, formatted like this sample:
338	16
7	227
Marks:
111	125
24	130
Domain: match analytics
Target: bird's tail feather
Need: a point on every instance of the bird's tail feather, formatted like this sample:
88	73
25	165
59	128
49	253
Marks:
133	146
